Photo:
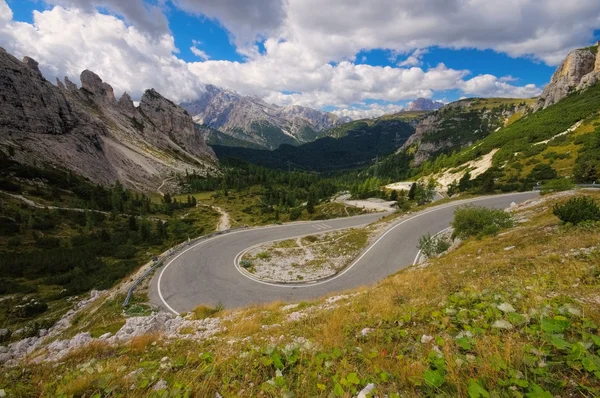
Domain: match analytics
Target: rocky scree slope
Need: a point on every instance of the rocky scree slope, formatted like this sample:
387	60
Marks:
89	132
251	119
580	70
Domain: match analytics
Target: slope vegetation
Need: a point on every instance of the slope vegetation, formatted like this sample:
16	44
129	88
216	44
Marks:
514	314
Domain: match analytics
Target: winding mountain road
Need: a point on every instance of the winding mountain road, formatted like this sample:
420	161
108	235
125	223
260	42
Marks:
205	273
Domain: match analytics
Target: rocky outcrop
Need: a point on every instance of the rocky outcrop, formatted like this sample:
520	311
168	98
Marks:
87	131
252	120
33	65
126	105
102	92
580	70
29	102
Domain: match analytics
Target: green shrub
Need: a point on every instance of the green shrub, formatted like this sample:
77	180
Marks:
577	210
264	255
295	213
479	221
29	309
433	245
558	185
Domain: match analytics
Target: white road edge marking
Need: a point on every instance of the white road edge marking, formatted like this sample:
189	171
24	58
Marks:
317	283
215	237
237	266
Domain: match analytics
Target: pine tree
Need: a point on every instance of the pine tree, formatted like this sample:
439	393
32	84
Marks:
412	191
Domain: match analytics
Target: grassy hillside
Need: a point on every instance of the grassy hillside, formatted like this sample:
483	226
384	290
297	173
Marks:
511	315
542	125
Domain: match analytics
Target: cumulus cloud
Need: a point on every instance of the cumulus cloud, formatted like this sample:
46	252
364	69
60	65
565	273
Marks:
491	86
67	41
197	52
147	18
246	20
415	59
308	56
545	30
368	112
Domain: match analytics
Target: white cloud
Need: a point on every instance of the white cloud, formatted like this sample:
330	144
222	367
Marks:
367	112
491	86
197	52
246	20
415	59
6	14
147	18
338	29
65	42
309	50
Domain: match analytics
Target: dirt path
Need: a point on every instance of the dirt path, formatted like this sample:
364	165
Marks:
162	185
225	221
41	206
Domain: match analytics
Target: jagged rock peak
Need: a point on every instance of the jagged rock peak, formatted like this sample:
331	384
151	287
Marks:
60	84
126	104
33	65
151	96
94	84
70	85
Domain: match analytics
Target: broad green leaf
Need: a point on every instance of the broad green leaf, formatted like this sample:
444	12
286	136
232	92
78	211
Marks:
353	378
559	343
476	390
538	392
596	340
434	378
338	391
516	318
277	361
464	343
558	324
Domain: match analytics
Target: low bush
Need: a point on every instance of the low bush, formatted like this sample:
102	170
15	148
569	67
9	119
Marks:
203	312
479	221
577	210
434	245
558	185
29	309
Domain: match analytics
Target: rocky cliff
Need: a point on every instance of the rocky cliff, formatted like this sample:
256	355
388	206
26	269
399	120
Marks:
580	70
91	133
255	121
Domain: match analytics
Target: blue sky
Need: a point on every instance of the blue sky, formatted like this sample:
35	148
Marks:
286	52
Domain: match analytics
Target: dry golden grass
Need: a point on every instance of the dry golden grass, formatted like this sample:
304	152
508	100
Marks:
535	271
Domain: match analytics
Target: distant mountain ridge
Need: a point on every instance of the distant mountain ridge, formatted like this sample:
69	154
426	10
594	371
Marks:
424	104
89	132
251	119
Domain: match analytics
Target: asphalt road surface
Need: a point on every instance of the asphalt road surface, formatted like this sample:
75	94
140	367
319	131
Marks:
205	273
